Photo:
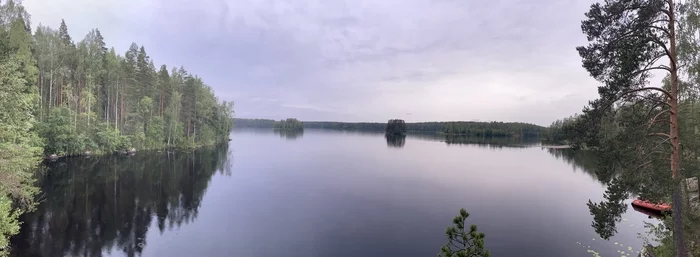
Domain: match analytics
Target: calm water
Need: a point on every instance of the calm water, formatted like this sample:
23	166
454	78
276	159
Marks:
321	193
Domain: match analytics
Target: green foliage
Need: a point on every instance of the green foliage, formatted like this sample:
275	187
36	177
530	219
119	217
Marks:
144	111
155	133
19	143
288	124
634	126
86	97
107	139
463	243
396	127
9	223
106	94
62	138
59	134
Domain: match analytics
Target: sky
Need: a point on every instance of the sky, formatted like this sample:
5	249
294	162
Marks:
358	60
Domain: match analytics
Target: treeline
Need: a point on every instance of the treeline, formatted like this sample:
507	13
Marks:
58	96
486	129
470	128
253	123
565	131
288	124
93	99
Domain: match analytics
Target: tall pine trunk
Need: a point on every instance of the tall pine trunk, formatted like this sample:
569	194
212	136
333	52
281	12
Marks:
121	109
678	231
116	107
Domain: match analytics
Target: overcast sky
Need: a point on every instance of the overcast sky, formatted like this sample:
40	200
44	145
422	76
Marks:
358	60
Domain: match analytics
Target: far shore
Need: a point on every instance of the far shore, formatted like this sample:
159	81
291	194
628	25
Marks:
556	146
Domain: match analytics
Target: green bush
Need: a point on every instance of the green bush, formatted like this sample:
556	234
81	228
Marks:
155	133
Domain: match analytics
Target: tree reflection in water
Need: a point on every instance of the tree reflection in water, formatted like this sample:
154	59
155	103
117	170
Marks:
106	204
395	140
292	134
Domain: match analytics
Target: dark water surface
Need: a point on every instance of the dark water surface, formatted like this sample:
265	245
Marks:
322	193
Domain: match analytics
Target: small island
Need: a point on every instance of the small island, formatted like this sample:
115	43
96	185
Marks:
288	124
396	127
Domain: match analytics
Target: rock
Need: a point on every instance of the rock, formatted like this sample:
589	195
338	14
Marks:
88	153
52	157
692	184
694	199
132	150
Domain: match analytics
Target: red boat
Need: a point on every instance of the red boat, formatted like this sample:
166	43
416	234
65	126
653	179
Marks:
648	212
661	207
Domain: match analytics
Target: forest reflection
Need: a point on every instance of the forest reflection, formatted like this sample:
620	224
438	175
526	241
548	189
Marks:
484	142
395	140
293	134
582	160
104	204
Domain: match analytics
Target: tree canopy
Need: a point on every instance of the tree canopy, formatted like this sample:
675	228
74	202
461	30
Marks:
635	127
94	99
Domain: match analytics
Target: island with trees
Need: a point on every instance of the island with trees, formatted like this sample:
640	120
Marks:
290	124
396	127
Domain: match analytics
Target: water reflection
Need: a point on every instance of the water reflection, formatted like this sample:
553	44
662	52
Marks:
607	214
585	161
485	142
289	134
393	140
107	203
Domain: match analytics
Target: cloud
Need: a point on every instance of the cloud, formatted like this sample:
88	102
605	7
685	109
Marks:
359	60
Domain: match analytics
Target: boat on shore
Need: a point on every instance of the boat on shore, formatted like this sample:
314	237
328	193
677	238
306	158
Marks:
659	207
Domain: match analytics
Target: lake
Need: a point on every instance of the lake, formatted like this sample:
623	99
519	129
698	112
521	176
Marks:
322	193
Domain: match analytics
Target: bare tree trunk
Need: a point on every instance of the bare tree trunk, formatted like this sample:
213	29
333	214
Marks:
60	93
116	105
121	110
87	109
41	95
678	231
50	89
107	109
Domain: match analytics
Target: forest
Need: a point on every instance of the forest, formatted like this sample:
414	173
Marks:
467	128
65	97
645	134
94	99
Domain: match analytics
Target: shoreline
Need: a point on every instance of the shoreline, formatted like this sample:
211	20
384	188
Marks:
555	146
129	152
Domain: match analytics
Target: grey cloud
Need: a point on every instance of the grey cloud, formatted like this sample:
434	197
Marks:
359	59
